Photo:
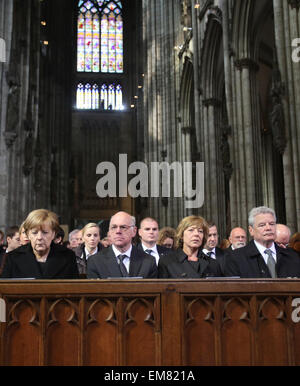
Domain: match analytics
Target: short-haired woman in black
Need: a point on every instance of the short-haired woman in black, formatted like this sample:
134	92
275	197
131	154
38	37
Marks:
188	261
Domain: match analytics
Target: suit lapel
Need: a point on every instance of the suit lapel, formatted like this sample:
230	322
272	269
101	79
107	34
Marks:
135	262
110	260
256	261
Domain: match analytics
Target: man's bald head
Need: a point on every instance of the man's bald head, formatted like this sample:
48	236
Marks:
283	234
238	237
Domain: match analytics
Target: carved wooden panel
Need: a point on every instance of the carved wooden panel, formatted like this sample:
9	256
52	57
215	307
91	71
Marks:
236	331
150	322
272	331
62	332
141	339
198	331
23	341
101	333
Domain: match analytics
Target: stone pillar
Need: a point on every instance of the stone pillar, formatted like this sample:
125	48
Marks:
246	143
6	22
160	97
287	26
21	110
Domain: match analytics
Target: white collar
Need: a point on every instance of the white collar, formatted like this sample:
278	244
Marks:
87	253
118	253
262	249
154	249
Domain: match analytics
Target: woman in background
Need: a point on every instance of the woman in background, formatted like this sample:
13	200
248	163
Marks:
90	246
23	236
167	237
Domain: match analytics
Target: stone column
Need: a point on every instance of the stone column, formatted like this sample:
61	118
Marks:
6	22
287	26
246	142
161	20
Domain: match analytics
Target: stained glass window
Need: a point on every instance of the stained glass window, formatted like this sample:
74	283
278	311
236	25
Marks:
110	96
100	36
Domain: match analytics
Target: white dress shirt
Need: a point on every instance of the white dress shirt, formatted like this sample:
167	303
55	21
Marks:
154	252
88	254
212	252
126	260
262	249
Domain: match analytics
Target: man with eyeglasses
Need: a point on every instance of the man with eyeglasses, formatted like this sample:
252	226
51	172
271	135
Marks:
121	259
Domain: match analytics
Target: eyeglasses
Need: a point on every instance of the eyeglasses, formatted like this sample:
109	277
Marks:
123	228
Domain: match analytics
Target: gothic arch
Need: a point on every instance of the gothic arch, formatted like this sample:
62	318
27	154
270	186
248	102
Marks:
186	94
241	28
212	69
212	85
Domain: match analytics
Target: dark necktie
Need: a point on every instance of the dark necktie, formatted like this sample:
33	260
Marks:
271	263
149	251
123	269
209	254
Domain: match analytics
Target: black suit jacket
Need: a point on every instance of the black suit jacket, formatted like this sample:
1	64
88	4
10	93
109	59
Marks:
247	262
2	259
176	265
160	249
60	264
220	257
104	265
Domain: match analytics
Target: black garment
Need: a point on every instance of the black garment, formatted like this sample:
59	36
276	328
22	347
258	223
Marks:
81	258
176	265
22	263
105	264
161	250
247	262
220	255
2	259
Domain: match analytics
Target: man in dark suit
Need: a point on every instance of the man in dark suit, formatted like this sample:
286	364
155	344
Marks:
148	233
121	259
262	258
210	248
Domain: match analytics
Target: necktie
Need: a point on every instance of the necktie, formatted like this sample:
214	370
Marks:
209	254
123	269
271	263
149	251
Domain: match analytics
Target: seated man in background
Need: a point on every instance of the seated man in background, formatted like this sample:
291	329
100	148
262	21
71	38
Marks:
12	238
283	235
121	259
75	238
237	238
211	249
148	233
262	257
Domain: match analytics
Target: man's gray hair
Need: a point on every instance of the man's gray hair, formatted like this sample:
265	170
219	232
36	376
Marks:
133	220
73	233
259	210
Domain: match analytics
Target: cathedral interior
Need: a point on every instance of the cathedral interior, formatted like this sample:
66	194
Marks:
208	83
